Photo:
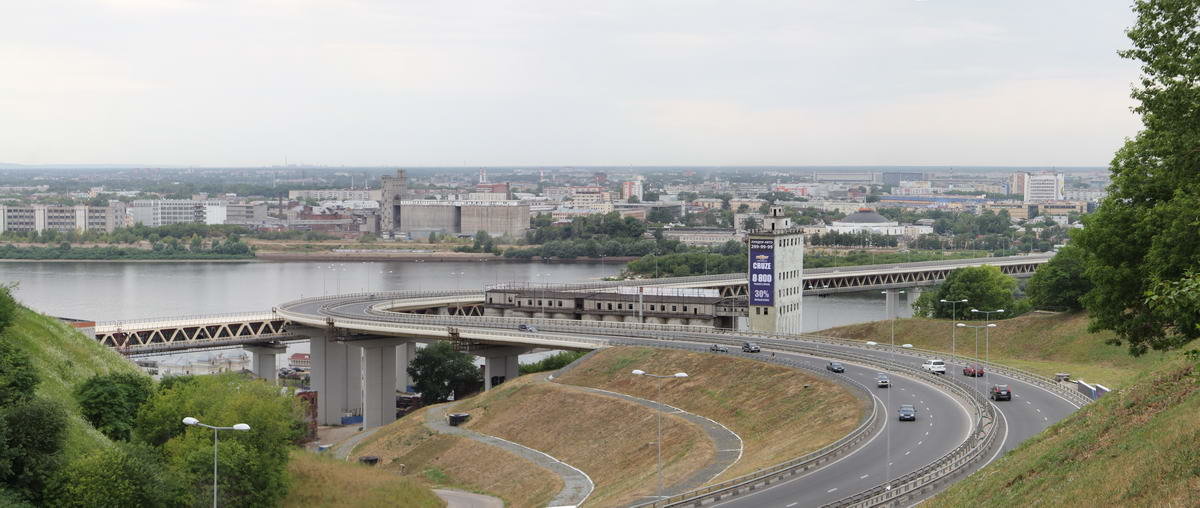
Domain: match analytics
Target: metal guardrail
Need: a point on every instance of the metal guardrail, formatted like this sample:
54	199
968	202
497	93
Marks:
195	320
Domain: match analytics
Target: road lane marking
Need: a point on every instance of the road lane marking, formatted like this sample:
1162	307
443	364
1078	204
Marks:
831	490
1038	410
1030	403
927	433
919	443
791	505
908	452
863	476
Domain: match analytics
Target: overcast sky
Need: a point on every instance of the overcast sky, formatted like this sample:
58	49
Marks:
564	82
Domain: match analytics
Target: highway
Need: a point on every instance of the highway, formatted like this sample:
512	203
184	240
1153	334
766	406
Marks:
901	447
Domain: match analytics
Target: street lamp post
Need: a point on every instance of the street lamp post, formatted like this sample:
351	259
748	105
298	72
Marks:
194	422
975	379
987	316
658	441
898	293
953	316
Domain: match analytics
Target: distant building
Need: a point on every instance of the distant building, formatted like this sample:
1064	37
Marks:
1016	183
337	194
300	361
1062	208
246	213
776	275
1044	187
752	204
707	237
419	217
895	177
394	189
708	203
1016	211
79	218
164	212
632	188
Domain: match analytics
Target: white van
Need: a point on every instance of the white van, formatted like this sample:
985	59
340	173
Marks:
934	366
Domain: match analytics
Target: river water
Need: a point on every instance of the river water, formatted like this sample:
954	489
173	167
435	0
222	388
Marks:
119	291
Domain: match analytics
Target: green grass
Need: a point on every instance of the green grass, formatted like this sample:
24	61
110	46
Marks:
1138	446
65	358
320	480
1040	343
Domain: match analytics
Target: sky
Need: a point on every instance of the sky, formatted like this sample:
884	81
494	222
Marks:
564	82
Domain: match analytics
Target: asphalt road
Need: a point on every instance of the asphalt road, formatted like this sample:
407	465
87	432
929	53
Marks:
901	447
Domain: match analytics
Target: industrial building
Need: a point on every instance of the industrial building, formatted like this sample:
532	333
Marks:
420	217
337	194
1044	187
394	190
38	218
700	307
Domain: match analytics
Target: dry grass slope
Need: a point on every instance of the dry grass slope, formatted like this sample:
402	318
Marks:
1040	343
65	358
313	477
767	405
610	439
409	449
1138	446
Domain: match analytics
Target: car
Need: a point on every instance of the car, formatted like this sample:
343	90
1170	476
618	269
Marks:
750	347
907	346
934	366
1001	392
872	343
973	370
717	348
836	367
527	328
881	380
908	412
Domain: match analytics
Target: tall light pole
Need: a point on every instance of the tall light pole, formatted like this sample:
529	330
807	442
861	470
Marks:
194	422
898	293
987	316
977	327
658	442
953	317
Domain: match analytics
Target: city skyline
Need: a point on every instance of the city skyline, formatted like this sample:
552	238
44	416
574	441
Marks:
184	83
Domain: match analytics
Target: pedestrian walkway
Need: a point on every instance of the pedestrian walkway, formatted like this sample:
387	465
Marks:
459	499
577	486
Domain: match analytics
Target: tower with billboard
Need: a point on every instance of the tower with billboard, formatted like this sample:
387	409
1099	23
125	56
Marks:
776	275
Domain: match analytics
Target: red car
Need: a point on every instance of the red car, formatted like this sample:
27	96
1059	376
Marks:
973	370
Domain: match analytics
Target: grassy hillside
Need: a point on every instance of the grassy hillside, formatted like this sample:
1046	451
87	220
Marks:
1138	446
64	358
320	480
1039	343
408	449
608	438
767	405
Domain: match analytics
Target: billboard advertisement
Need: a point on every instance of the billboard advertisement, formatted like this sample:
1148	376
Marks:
762	271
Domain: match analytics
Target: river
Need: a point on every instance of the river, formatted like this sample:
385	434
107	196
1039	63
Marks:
118	291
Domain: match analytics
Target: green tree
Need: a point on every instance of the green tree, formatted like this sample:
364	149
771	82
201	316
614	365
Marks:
110	402
984	287
35	431
1061	282
17	375
253	464
439	371
1143	239
8	307
117	477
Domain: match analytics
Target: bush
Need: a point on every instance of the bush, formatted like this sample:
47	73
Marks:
33	433
110	402
18	378
117	477
553	362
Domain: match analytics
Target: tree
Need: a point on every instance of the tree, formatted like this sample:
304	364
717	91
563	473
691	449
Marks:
110	402
984	288
1142	240
439	371
688	197
253	464
35	431
633	199
17	375
117	477
8	307
1061	282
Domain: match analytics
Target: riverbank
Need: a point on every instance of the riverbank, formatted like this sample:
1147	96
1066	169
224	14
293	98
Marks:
423	257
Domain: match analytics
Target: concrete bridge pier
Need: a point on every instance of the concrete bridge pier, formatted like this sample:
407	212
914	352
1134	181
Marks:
913	294
264	363
378	379
891	302
337	378
500	364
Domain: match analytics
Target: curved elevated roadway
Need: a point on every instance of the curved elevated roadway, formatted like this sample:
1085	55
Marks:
943	420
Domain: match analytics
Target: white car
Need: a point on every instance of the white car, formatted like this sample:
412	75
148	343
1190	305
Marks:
871	343
934	366
907	346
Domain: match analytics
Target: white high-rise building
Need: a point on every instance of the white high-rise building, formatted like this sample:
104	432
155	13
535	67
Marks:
1044	187
776	275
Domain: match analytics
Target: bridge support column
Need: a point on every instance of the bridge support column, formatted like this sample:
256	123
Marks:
500	364
379	380
891	303
264	363
913	294
337	378
404	353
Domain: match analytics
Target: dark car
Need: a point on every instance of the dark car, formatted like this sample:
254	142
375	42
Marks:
749	347
908	412
973	370
717	348
527	328
1001	392
836	367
